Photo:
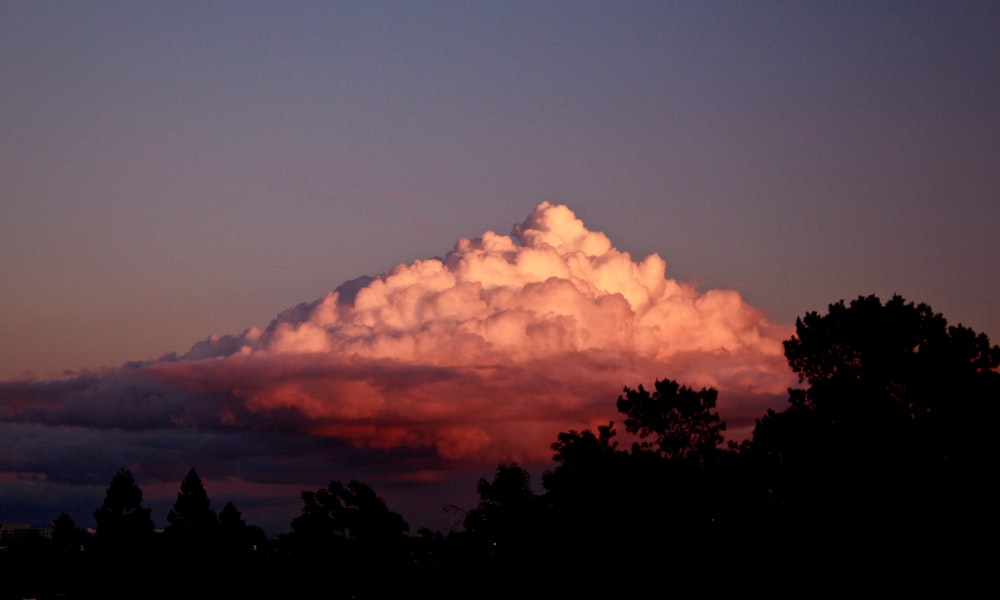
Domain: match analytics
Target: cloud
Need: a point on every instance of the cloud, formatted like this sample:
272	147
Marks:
440	364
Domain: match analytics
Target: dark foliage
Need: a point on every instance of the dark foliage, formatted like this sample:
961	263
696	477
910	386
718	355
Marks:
236	537
659	497
675	421
193	525
123	524
891	442
66	536
352	528
510	520
352	512
879	471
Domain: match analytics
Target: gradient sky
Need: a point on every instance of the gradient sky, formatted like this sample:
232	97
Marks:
170	171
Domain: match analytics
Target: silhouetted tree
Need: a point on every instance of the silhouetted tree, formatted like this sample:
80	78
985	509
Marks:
242	566
583	451
582	486
66	536
675	421
233	529
507	537
234	533
509	518
123	524
367	517
351	526
891	442
510	488
897	360
193	523
347	512
230	518
661	496
596	500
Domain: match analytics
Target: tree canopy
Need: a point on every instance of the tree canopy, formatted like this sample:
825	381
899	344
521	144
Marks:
66	536
192	520
893	431
509	513
894	369
901	351
675	421
885	450
353	511
122	521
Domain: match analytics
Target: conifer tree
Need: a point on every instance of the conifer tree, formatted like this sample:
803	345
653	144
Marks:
122	522
192	520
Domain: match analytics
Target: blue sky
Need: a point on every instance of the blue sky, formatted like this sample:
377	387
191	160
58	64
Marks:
174	170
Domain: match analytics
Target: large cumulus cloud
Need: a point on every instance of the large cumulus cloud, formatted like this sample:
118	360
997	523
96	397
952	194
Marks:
437	366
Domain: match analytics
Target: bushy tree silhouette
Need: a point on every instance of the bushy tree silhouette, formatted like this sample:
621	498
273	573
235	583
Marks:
658	496
583	485
353	528
675	421
510	517
351	512
891	441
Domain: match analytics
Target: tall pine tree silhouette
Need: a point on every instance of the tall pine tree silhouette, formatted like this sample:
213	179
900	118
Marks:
123	524
192	521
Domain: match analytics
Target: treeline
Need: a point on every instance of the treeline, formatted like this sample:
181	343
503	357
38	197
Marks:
880	470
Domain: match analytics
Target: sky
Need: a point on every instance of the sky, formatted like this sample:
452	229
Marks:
287	243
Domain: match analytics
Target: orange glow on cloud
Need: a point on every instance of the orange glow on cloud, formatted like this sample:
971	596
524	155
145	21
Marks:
491	351
414	380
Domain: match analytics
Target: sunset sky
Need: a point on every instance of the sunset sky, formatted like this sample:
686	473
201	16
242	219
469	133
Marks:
554	200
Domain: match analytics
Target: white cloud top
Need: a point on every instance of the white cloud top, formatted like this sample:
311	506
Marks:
483	356
550	288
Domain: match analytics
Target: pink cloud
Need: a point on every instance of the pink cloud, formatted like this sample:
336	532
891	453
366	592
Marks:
483	356
543	326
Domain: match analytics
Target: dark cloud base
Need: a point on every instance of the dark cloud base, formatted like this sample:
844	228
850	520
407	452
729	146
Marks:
417	382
